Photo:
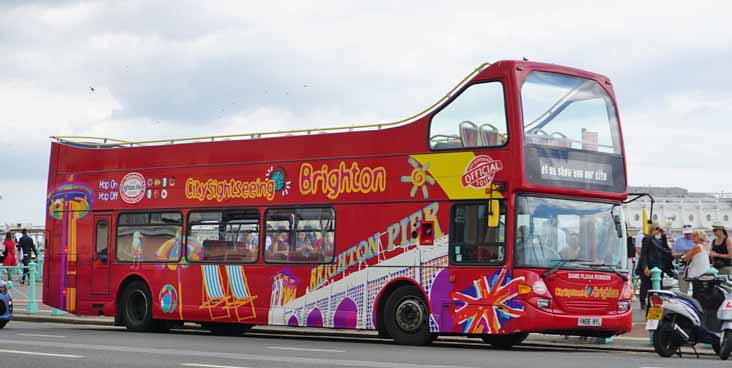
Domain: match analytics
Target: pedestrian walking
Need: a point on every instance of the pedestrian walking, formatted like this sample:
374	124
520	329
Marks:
655	252
721	249
631	249
10	259
26	245
681	247
2	252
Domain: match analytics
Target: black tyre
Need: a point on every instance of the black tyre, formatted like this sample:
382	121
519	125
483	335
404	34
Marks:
406	317
3	323
726	345
226	329
136	308
662	341
505	341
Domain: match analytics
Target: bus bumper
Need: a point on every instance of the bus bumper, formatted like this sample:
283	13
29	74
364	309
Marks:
599	325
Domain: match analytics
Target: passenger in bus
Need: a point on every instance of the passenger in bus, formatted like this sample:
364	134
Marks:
573	249
252	242
268	241
551	236
303	245
521	236
608	247
279	247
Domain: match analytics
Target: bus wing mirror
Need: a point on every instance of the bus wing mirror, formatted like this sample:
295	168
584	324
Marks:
618	225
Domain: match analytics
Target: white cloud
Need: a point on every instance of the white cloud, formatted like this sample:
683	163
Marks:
202	68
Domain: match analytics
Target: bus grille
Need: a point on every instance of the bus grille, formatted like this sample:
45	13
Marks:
585	306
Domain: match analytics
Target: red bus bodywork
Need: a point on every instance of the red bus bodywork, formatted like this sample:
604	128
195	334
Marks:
363	177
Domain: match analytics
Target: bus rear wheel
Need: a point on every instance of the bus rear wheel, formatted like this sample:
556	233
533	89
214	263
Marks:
505	341
406	317
136	308
226	329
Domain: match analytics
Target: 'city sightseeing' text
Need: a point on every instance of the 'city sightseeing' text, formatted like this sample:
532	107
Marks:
223	190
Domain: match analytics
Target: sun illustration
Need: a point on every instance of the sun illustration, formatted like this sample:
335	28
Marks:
419	178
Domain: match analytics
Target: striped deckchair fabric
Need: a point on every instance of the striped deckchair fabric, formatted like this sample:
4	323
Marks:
213	281
242	301
213	296
238	285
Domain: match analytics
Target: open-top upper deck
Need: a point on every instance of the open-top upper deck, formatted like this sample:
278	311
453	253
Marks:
483	115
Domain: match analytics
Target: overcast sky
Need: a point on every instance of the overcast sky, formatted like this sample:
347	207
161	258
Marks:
187	68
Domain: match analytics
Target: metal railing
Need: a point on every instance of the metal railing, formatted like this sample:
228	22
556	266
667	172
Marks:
34	276
32	306
102	142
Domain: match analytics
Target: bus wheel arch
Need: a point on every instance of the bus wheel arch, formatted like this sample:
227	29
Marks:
118	296
134	307
404	297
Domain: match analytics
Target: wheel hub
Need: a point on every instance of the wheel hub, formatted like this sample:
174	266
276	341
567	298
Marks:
137	306
410	315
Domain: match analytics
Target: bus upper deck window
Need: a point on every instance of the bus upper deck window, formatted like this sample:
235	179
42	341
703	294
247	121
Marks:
568	112
475	118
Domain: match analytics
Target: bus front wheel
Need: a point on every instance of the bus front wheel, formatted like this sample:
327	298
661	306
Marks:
136	304
406	317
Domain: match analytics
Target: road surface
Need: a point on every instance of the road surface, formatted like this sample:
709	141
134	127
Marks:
33	344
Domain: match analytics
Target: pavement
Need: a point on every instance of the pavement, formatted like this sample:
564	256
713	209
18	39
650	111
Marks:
636	341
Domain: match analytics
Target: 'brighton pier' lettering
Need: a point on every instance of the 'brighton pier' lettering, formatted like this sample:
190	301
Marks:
222	190
398	234
342	179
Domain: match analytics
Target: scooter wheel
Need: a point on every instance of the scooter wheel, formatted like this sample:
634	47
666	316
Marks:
663	342
726	345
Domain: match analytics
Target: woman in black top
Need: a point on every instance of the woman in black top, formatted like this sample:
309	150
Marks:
631	248
721	253
655	252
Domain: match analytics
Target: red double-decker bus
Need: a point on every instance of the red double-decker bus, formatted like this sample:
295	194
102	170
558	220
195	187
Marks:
493	214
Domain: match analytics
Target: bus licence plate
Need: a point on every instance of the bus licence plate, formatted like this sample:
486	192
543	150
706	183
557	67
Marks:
589	322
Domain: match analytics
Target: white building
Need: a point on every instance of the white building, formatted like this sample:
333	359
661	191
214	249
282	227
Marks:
676	207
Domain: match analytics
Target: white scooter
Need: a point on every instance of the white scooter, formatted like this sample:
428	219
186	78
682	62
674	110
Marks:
724	315
678	320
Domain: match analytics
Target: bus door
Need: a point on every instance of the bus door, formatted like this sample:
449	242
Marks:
100	254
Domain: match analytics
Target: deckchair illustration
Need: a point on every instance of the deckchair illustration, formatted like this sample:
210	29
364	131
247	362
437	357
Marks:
242	300
214	297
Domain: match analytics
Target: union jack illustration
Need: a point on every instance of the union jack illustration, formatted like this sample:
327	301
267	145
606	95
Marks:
487	304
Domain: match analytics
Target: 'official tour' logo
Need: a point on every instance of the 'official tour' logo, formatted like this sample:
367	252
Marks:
132	188
480	172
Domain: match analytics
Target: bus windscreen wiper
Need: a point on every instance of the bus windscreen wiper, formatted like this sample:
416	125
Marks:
608	267
561	262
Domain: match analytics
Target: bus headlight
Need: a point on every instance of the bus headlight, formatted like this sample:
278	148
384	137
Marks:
544	303
623	306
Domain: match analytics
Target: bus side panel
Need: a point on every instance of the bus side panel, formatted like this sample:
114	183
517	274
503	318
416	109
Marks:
68	206
50	264
53	272
79	271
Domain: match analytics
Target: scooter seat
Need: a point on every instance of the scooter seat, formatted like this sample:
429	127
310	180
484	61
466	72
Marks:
691	301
